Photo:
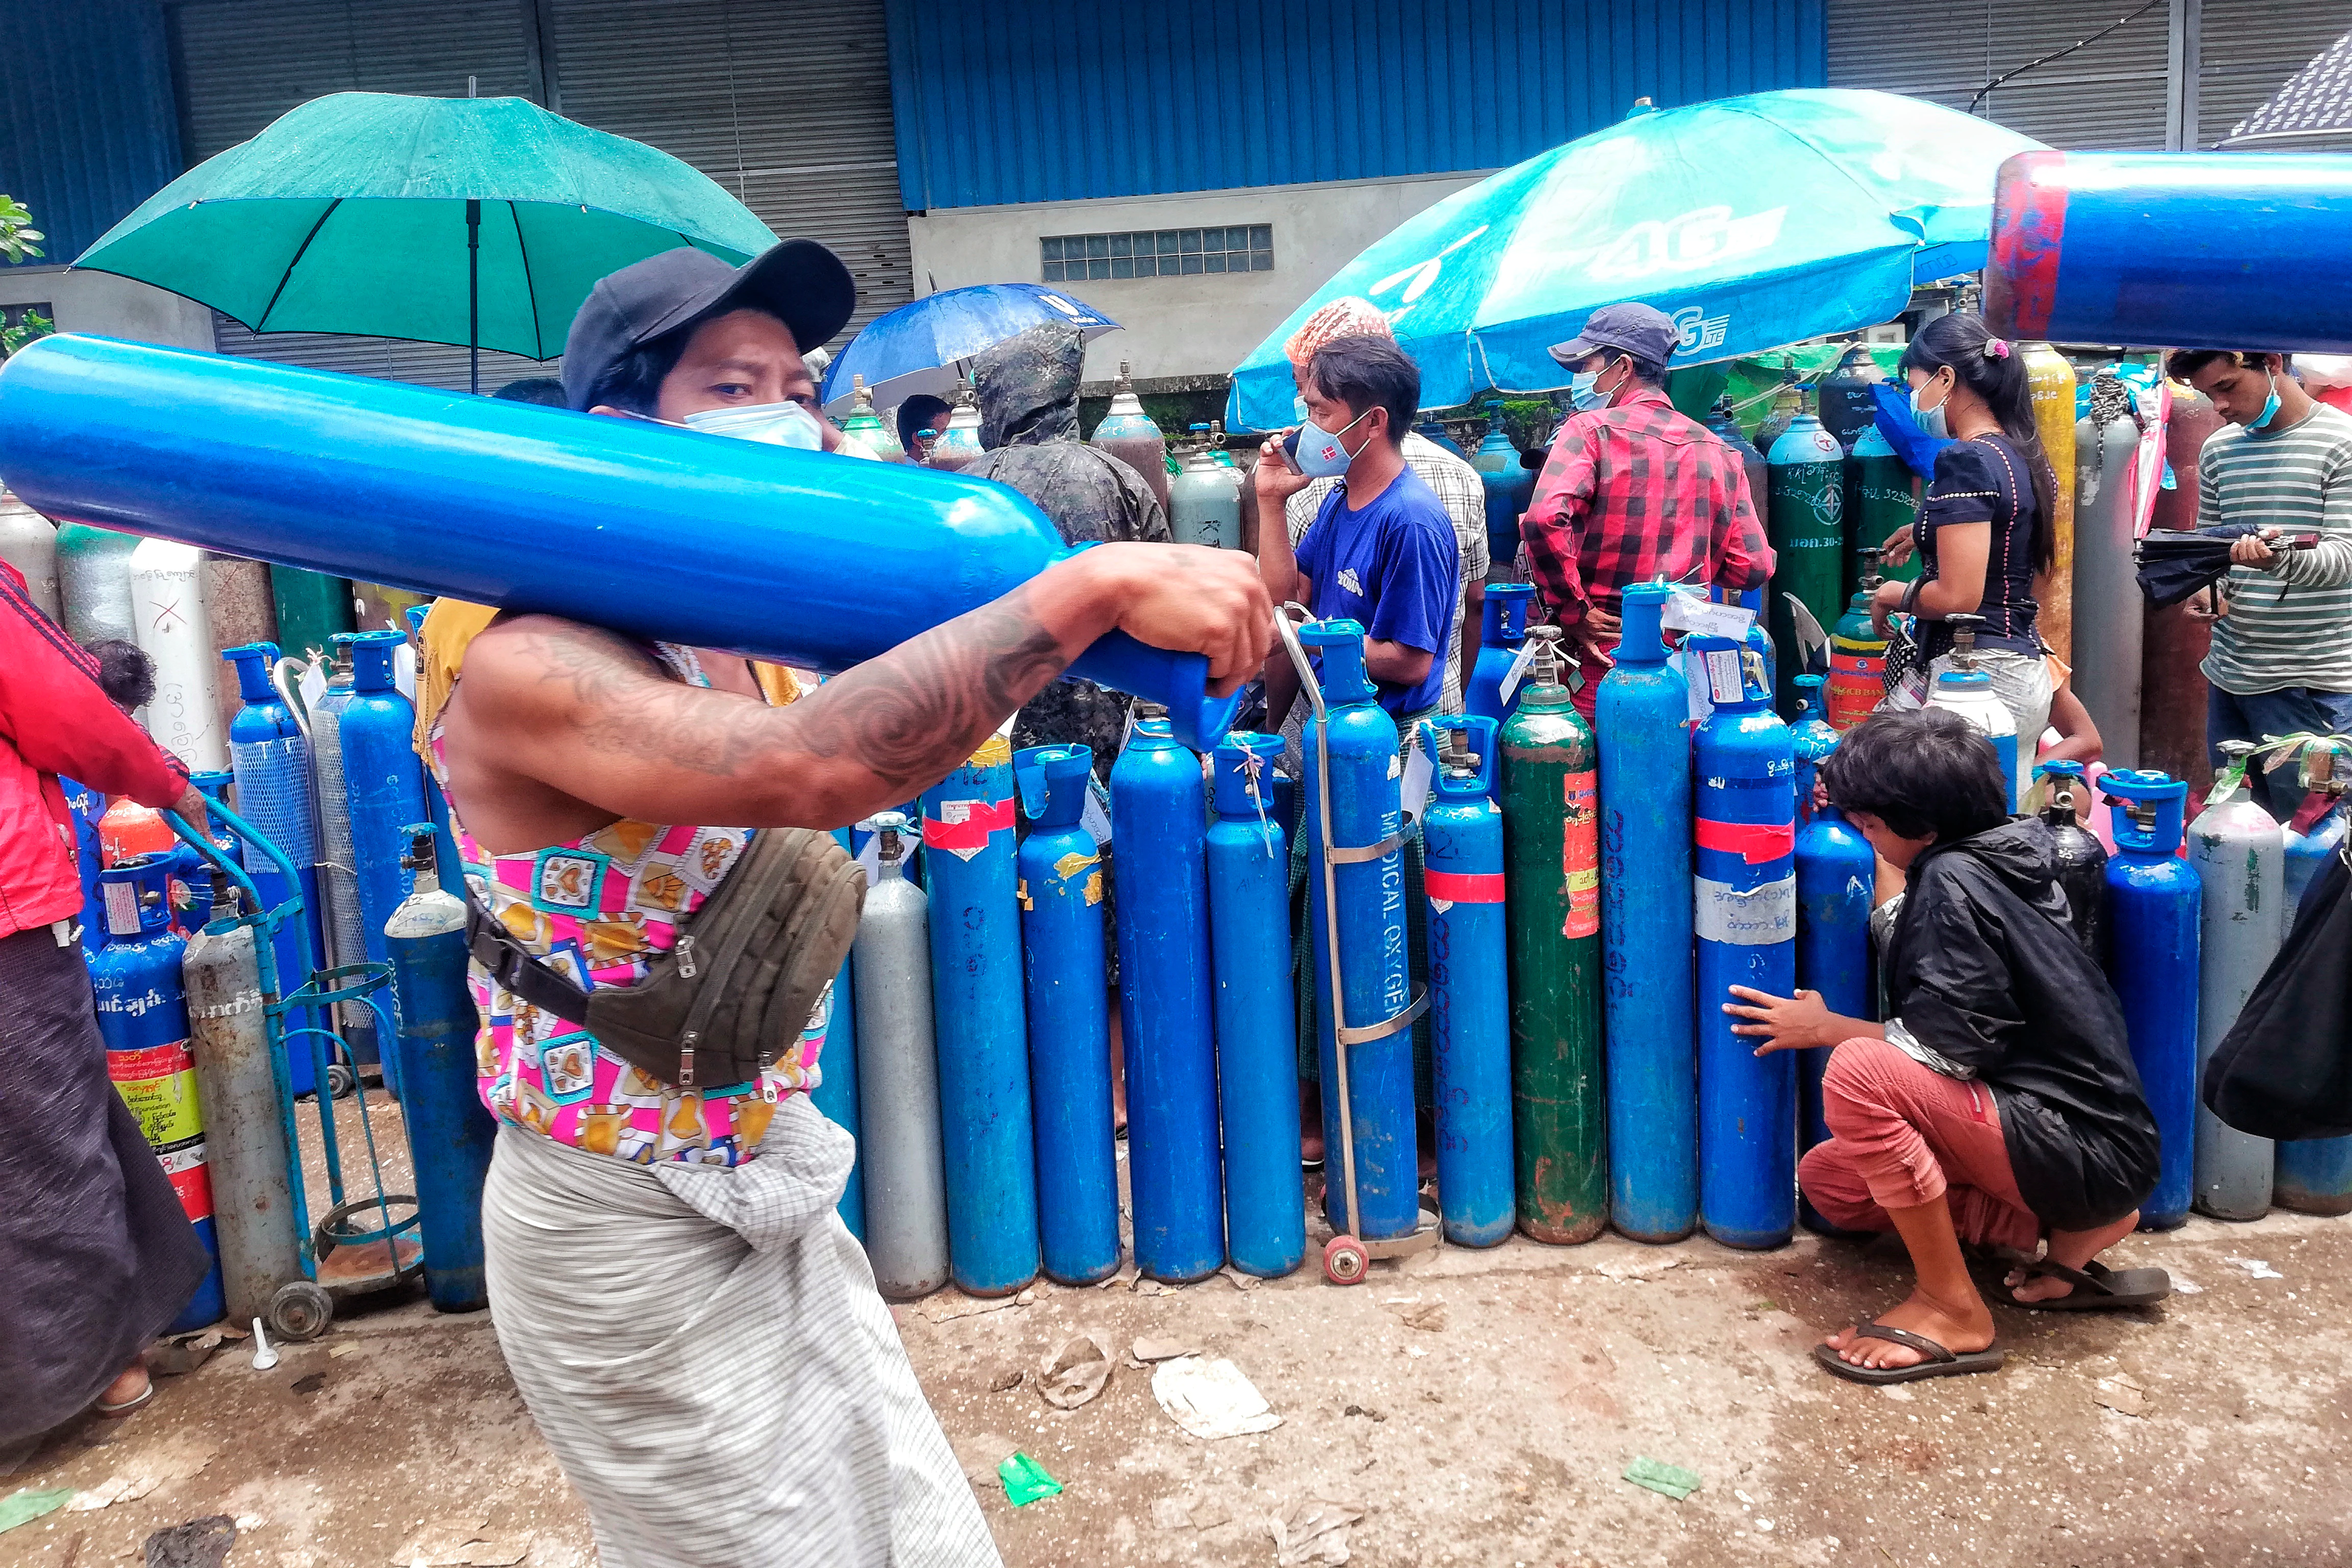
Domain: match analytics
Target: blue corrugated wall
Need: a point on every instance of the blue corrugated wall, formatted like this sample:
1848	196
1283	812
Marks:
88	130
1060	99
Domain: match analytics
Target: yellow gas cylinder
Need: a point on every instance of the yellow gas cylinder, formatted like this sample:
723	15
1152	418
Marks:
2052	381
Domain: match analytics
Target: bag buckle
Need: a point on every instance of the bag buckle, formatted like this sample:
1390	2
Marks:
685	1060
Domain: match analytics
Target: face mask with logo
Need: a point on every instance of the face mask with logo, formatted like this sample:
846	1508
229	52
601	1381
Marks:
771	423
1932	420
2270	409
1320	454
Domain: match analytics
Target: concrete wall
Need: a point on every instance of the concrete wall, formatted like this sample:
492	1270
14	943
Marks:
1176	328
111	307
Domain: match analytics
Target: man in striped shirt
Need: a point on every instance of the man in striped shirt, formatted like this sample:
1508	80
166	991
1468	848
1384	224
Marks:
2282	658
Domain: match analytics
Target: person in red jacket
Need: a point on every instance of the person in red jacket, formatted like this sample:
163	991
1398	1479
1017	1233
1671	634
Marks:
95	1257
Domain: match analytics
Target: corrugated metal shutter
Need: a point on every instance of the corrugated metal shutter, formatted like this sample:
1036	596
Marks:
2250	48
2110	95
784	102
242	63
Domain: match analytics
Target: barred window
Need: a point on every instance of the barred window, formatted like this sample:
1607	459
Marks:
1156	253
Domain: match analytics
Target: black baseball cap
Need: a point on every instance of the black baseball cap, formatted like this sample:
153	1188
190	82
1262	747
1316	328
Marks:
1643	331
799	281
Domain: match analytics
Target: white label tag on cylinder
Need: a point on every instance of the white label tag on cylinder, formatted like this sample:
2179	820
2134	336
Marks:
1517	672
1095	818
404	669
1415	792
1757	918
314	684
1688	612
121	907
1726	681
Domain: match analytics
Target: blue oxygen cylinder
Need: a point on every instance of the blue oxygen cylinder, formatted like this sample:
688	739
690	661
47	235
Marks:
1069	1016
143	1015
1746	917
1836	874
1470	995
1358	794
2239	854
1640	715
1502	633
1248	857
384	792
653	532
983	1039
270	759
836	1093
2154	908
86	806
1813	739
2313	1175
449	1132
1165	1007
1509	485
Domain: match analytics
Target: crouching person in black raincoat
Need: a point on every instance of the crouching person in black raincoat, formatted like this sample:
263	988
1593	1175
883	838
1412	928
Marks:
1997	1105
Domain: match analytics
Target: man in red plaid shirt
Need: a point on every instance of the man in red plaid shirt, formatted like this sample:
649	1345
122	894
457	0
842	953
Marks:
1632	491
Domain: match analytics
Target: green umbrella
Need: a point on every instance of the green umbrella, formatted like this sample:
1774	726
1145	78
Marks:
477	222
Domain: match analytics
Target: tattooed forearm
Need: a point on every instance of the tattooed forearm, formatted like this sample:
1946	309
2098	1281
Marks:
908	716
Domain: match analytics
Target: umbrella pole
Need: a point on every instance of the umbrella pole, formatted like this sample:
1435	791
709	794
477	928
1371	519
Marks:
474	294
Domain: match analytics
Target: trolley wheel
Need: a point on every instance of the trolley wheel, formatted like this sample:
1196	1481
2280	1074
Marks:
1345	1262
340	1080
301	1311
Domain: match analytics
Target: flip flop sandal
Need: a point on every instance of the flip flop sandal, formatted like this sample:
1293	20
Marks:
117	1412
1941	1363
2097	1287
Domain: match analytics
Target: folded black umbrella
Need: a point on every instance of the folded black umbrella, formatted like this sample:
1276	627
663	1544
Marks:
2172	566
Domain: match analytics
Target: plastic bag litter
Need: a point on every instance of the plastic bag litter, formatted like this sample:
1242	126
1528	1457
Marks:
1211	1398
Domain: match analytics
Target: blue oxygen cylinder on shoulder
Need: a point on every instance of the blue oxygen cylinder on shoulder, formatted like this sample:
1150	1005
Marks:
142	1017
1161	806
836	1094
384	792
2155	908
1745	912
269	757
983	1036
1069	1016
1470	997
1359	927
449	1132
1837	875
1641	719
1503	632
1257	1024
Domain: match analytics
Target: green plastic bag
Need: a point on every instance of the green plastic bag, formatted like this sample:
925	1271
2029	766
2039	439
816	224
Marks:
1671	1480
23	1507
1025	1480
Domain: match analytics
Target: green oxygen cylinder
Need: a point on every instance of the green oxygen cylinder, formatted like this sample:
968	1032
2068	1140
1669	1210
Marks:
1881	497
1550	798
1804	521
311	608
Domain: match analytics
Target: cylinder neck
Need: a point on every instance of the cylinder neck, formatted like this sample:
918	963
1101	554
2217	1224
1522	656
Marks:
1052	784
1504	621
1245	763
372	659
253	663
1342	676
146	908
1641	641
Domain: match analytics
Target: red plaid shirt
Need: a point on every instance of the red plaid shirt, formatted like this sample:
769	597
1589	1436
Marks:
1633	492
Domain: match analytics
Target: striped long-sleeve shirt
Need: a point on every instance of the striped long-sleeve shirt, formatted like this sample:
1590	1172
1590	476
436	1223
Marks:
2290	623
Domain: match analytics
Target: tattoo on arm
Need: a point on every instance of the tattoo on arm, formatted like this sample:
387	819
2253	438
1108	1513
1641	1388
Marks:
909	716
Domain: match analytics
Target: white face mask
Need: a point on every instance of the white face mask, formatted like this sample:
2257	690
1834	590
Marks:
1932	420
772	424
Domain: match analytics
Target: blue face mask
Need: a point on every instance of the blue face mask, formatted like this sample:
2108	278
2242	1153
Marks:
1320	454
1584	390
772	424
2270	409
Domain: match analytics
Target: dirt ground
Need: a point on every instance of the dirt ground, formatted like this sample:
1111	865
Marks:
1473	1407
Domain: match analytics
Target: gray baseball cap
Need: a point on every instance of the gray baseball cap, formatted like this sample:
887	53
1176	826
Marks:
1643	331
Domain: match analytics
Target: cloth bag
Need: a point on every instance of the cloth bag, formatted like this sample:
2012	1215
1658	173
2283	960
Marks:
2284	1069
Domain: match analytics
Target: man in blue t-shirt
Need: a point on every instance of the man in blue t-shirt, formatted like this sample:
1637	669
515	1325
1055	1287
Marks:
1381	552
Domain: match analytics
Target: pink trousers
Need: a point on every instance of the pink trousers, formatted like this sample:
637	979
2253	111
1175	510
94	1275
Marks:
1901	1136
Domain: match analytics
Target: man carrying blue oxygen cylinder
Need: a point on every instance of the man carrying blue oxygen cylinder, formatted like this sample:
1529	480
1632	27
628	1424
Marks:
1998	1103
565	751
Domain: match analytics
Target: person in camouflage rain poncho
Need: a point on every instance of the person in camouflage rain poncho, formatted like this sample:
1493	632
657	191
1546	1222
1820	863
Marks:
1028	388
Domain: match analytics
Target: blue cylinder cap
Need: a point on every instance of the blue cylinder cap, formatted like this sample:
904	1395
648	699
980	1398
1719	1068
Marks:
1640	637
1511	602
1343	676
370	654
1052	781
1244	758
253	662
1463	783
2147	810
151	875
213	785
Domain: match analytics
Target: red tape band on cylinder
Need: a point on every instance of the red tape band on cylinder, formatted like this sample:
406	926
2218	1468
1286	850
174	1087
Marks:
1754	842
1464	887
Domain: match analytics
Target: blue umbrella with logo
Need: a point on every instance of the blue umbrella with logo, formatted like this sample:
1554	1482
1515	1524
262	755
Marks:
914	348
1752	221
